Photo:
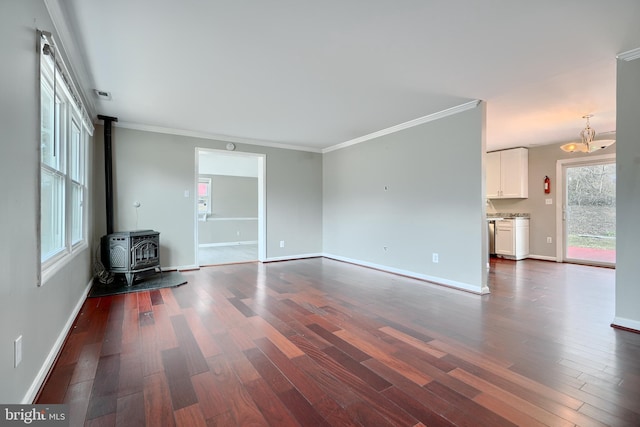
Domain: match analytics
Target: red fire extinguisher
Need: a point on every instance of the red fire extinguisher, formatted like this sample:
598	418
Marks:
547	185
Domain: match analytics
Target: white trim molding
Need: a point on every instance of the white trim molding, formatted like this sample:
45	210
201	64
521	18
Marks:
262	200
629	55
406	125
65	258
215	245
182	268
55	350
430	280
626	323
233	219
542	257
249	141
292	257
213	136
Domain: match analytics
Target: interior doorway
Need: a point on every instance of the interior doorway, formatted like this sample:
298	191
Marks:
230	207
589	210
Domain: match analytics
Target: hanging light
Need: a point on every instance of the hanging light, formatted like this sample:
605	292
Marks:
588	143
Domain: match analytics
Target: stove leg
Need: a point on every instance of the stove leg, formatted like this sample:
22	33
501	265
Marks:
129	277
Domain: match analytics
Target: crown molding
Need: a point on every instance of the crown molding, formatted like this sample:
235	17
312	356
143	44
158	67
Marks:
629	55
77	66
406	125
211	136
240	140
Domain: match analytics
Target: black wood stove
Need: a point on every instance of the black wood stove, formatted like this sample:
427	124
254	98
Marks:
128	252
131	252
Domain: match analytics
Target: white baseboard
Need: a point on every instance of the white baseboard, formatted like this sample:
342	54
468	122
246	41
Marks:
543	257
292	257
215	245
626	323
432	279
182	268
55	350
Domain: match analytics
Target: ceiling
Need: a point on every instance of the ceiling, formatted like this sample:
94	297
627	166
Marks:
315	74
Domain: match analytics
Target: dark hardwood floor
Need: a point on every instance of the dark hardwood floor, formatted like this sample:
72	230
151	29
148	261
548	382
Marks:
320	342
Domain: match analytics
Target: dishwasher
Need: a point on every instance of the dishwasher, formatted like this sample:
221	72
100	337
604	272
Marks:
492	237
492	233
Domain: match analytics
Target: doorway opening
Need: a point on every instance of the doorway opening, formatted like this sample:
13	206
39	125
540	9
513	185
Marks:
588	217
230	207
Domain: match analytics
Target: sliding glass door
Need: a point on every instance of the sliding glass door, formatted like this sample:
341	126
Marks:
590	213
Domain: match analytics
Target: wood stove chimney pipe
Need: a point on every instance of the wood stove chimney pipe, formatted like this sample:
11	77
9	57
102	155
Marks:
108	169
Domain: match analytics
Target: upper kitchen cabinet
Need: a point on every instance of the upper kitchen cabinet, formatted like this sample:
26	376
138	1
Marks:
508	174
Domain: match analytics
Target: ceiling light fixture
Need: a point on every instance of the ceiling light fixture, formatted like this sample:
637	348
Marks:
588	143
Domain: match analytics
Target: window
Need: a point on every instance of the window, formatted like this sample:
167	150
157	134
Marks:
63	155
204	197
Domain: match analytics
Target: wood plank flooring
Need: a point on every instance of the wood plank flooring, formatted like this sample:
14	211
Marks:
318	342
216	255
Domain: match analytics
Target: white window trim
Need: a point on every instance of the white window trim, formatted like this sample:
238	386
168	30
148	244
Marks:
74	111
59	261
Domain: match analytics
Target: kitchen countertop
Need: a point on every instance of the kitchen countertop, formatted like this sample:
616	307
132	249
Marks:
503	215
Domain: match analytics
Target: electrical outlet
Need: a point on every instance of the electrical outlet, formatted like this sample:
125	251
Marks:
434	257
549	240
282	243
548	201
17	351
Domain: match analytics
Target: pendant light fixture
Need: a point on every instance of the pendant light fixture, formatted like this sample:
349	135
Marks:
588	143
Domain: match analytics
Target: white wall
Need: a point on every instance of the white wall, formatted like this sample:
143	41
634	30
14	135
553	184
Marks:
628	195
433	202
156	169
39	314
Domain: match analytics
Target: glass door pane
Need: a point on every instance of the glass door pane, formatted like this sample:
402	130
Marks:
590	216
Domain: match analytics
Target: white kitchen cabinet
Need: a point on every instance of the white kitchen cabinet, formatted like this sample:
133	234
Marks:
512	238
508	174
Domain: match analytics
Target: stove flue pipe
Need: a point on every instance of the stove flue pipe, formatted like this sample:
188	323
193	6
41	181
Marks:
108	169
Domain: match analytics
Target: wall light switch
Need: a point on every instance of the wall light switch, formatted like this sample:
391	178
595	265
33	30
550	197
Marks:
548	201
186	193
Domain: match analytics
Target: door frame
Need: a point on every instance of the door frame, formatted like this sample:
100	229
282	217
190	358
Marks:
560	192
262	208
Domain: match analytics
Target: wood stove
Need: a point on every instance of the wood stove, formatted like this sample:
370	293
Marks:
126	252
131	252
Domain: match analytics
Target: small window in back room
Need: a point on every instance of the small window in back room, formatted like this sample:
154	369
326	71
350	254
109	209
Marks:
204	197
